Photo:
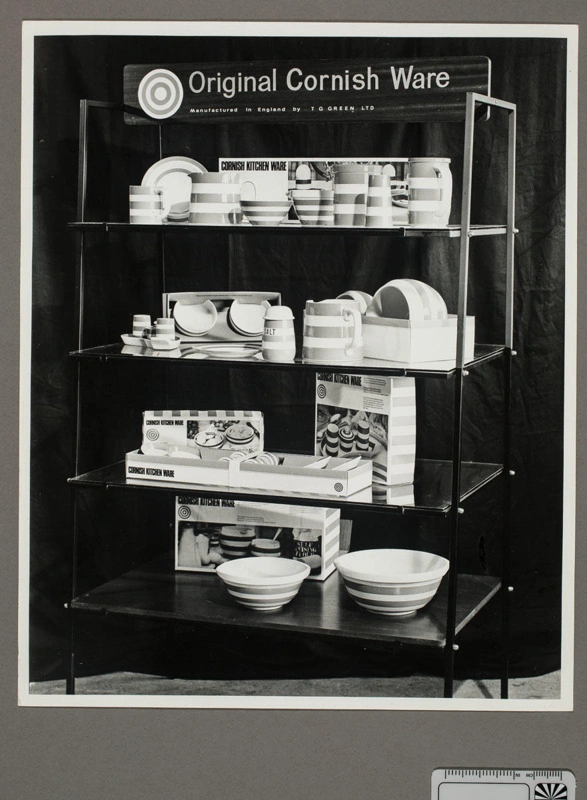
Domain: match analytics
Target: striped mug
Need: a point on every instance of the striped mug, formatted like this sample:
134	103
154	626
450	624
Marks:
332	332
146	205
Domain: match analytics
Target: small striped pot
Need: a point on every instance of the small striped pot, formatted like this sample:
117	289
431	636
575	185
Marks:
391	582
263	583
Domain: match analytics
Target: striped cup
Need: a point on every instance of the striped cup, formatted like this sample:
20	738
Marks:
146	205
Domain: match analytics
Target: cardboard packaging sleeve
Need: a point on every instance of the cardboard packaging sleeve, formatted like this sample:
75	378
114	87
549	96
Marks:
195	433
369	416
295	474
416	343
209	531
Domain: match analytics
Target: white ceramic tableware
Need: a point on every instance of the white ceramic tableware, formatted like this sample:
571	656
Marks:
408	298
172	175
332	332
195	319
140	323
362	298
351	183
266	212
429	192
379	209
247	318
215	199
146	205
391	582
278	342
263	583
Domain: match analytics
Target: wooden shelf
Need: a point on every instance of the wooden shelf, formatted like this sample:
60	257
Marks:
156	591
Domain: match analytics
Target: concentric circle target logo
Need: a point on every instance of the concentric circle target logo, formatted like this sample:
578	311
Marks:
184	512
338	487
152	435
160	93
321	391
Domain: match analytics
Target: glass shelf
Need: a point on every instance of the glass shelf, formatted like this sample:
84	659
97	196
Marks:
430	494
156	591
190	353
292	226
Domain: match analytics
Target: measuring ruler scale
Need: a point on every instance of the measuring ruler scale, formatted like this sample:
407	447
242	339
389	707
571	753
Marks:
503	784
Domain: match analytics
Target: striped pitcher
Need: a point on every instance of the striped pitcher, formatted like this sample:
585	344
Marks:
332	332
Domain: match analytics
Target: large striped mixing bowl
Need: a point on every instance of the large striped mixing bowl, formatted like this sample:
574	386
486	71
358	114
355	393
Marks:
392	582
262	582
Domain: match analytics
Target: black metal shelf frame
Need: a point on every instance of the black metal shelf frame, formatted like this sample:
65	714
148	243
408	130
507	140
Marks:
464	232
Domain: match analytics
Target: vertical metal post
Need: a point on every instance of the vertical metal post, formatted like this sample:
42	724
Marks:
70	671
458	398
508	356
82	185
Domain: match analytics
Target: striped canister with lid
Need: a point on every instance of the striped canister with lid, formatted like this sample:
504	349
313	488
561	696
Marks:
278	342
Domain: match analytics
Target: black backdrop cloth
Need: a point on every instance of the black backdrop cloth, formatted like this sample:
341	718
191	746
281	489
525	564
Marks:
121	280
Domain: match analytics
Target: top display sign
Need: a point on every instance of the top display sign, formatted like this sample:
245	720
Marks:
403	89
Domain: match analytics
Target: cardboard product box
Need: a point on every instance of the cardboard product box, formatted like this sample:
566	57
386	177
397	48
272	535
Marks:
416	343
186	434
209	531
287	475
273	177
369	416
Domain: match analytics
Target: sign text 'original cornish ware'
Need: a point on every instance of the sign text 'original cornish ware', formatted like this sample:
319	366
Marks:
384	89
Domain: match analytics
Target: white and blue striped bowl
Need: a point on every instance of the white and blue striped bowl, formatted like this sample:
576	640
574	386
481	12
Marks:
391	582
262	582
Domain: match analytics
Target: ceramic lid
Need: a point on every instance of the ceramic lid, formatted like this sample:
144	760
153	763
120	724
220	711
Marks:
279	312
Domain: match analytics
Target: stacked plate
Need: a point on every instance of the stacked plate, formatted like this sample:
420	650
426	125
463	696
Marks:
196	319
247	318
172	175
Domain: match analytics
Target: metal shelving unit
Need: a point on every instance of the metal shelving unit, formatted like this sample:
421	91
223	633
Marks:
441	487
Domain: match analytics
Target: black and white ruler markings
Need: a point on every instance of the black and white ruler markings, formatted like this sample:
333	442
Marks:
503	784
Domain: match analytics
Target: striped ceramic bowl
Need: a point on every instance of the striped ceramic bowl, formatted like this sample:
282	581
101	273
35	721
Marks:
392	582
263	583
266	212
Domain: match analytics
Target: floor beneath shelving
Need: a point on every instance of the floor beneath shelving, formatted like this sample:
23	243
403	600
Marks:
132	683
